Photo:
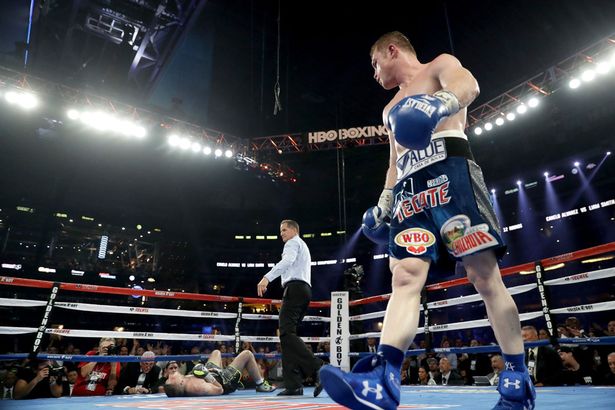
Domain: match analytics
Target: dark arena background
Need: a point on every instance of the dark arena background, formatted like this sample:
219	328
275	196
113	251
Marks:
150	148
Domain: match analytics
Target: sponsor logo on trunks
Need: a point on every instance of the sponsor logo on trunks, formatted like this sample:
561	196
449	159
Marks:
414	160
415	240
463	239
437	181
430	198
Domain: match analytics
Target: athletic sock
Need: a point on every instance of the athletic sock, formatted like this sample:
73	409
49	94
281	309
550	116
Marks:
514	362
392	355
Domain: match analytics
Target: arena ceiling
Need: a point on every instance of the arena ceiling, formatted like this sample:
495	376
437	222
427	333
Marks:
220	73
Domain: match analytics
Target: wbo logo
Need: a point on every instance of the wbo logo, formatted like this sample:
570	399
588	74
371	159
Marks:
415	240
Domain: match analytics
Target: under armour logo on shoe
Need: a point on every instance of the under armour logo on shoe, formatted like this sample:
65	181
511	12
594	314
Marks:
509	366
367	389
394	379
507	383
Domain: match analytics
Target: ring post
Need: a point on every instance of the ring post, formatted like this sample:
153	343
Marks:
340	332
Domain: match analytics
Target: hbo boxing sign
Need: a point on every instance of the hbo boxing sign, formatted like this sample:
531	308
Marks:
345	133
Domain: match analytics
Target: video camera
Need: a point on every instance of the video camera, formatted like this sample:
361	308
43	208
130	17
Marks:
57	371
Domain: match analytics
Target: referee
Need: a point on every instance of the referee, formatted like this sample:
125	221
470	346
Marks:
294	268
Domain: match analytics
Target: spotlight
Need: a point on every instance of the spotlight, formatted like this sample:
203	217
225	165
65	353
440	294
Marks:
546	174
131	278
218	152
173	140
522	109
488	126
72	114
603	67
184	143
588	75
207	151
499	122
533	102
608	153
518	182
196	147
574	83
228	153
478	131
511	116
493	191
574	171
577	163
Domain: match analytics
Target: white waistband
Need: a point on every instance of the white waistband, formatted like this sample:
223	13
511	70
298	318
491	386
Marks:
449	133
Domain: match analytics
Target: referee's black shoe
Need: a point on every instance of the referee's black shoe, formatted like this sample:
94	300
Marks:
291	392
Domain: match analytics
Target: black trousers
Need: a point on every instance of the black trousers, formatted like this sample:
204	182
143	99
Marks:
297	361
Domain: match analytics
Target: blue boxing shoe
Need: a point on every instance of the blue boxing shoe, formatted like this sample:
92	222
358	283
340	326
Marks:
372	384
516	391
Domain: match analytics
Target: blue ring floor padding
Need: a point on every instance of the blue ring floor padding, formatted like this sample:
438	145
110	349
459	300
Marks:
413	397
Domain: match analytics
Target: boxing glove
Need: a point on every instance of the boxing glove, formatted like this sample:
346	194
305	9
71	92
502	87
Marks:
374	226
201	371
415	118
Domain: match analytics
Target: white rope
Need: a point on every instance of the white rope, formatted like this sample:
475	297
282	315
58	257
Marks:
138	335
9	330
21	302
582	277
593	307
133	310
450	302
144	310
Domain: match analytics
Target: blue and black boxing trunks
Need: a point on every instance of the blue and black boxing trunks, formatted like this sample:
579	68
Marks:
441	203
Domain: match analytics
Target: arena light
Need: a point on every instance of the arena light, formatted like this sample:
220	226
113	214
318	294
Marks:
599	259
25	100
603	67
533	102
184	143
207	150
577	163
518	182
173	140
228	153
522	109
218	153
546	174
73	114
478	131
499	122
493	191
195	147
574	83
511	116
131	278
488	126
102	249
588	75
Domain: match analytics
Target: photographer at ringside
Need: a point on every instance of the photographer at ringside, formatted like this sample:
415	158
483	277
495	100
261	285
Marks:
98	378
38	380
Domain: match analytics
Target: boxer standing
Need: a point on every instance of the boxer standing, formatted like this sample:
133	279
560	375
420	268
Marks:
437	200
295	269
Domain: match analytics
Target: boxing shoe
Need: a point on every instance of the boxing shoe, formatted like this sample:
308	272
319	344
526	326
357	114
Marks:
372	384
516	391
265	387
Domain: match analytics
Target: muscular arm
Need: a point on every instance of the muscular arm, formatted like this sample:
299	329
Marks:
456	79
199	387
391	175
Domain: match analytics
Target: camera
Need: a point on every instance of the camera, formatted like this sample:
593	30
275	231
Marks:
57	371
113	350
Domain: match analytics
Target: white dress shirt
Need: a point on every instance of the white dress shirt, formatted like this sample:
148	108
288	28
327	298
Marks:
295	264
